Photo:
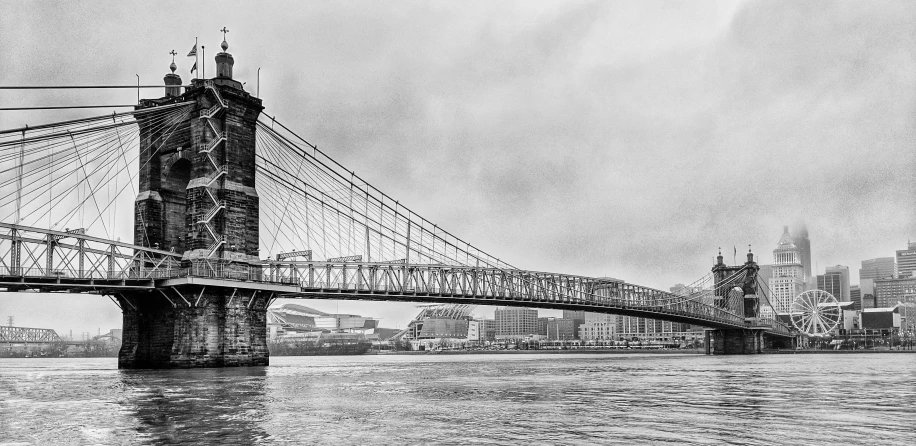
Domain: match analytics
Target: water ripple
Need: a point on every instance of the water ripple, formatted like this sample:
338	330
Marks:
473	399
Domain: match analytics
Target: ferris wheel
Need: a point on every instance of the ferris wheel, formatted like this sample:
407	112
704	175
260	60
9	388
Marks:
815	313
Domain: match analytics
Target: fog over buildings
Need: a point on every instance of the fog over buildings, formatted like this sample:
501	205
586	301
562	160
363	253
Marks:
603	139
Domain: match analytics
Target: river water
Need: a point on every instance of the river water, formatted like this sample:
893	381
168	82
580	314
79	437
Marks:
468	399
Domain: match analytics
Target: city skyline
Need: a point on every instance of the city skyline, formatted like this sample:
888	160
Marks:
571	123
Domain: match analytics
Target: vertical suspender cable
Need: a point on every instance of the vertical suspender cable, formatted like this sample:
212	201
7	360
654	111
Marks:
19	179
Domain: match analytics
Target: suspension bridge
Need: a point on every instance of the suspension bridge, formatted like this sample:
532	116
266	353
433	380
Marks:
223	209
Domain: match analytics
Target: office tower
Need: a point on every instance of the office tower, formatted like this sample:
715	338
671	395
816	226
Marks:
867	288
512	323
855	295
788	279
804	252
836	282
569	314
891	292
906	260
880	268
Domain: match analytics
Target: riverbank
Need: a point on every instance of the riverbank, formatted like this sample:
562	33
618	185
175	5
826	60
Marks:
620	351
585	351
833	352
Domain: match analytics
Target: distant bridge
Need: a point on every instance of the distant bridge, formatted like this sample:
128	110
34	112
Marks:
25	335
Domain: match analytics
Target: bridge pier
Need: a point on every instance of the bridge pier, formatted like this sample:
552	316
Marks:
735	341
191	327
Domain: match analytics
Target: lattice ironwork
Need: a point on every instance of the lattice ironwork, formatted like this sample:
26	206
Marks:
27	252
25	335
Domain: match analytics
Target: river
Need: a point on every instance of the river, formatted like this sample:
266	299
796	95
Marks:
468	399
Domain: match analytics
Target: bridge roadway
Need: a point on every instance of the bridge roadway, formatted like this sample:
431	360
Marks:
60	261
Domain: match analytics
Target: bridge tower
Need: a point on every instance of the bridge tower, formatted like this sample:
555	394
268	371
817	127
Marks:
731	284
197	197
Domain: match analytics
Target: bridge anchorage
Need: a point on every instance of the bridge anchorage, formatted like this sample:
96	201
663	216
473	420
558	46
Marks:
231	211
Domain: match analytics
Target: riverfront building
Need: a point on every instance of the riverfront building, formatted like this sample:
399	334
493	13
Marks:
599	327
487	328
289	319
439	321
563	329
515	323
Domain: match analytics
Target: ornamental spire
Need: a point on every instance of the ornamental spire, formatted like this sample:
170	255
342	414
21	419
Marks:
224	45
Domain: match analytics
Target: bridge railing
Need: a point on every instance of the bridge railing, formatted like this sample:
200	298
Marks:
34	252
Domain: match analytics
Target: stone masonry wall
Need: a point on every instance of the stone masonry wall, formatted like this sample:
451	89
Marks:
736	342
216	332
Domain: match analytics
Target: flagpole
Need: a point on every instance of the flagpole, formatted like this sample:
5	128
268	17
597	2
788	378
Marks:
196	58
204	73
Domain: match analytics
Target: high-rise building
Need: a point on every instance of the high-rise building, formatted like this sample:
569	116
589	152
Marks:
891	292
569	314
830	283
514	323
788	279
765	274
600	317
855	295
628	326
906	260
563	329
867	288
804	251
880	268
836	282
542	326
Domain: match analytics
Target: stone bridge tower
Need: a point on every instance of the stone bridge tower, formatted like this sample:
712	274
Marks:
728	283
197	197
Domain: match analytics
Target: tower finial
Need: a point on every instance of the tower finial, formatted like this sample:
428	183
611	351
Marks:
224	45
173	66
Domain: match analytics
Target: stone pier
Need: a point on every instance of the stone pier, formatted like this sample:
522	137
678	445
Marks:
734	341
186	328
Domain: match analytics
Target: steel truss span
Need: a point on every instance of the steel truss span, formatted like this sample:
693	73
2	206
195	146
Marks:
492	286
24	335
49	261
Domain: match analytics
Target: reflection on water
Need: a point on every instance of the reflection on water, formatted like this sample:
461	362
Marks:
216	405
480	399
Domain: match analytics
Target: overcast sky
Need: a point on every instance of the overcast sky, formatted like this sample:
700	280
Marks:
624	139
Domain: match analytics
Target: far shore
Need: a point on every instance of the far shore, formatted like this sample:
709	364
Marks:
620	351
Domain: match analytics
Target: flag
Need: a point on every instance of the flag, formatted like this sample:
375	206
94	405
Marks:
194	67
736	250
193	52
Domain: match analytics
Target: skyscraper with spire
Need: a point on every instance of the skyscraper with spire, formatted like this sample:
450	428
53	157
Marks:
804	251
789	278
